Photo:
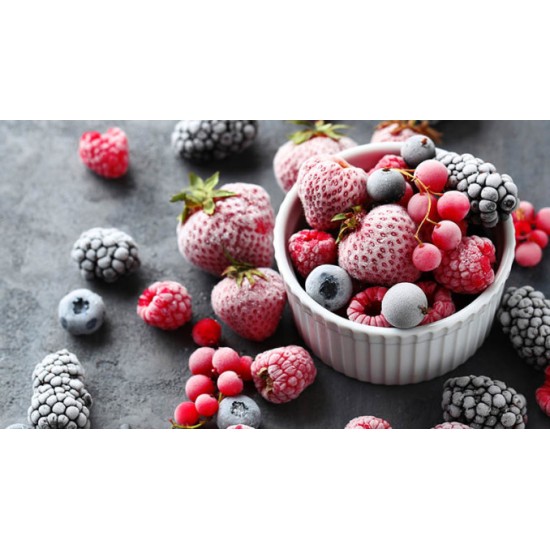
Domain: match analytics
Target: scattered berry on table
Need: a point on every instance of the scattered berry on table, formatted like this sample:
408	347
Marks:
405	305
401	130
330	286
250	301
386	185
379	248
418	206
440	302
19	426
426	257
528	254
542	220
310	248
328	186
106	254
207	332
81	312
200	361
539	237
433	174
451	426
105	154
226	359
446	235
417	149
239	427
244	369
542	394
282	374
238	410
366	307
318	139
469	268
60	399
202	141
525	211
230	384
525	317
368	423
389	161
165	305
480	402
206	405
186	414
235	220
453	206
199	384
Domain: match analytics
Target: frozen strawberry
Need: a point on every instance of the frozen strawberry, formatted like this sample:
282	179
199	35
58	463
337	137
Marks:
236	220
328	186
401	130
250	300
318	138
105	154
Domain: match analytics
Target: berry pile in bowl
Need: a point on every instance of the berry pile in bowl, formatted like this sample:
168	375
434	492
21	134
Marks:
395	257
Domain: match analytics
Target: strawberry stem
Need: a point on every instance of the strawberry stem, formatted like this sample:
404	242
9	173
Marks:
239	270
316	129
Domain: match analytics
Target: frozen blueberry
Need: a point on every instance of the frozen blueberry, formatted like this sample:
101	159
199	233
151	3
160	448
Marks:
81	312
386	185
405	305
19	426
417	149
238	410
330	286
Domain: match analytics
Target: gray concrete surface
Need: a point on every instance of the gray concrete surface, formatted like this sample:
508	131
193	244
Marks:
136	373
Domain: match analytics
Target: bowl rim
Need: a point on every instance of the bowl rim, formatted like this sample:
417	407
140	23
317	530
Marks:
287	272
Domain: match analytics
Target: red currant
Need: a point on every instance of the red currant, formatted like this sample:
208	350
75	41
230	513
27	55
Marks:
433	174
528	254
539	237
542	221
426	257
446	235
230	384
200	361
453	205
207	405
186	414
207	332
226	359
197	385
418	207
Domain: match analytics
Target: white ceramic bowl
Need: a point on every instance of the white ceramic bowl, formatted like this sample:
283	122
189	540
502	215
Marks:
387	355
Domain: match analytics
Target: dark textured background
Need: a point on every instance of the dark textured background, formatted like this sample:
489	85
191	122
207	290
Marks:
136	373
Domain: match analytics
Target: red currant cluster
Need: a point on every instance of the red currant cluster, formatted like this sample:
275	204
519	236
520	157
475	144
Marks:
440	216
532	231
215	374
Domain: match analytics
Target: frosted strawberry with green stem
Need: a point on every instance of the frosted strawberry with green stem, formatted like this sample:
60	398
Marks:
318	138
250	300
236	218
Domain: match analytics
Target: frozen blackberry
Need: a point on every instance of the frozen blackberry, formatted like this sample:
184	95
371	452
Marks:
493	196
204	140
480	402
60	399
525	317
106	254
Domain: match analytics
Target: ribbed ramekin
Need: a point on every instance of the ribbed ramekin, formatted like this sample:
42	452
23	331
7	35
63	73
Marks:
387	355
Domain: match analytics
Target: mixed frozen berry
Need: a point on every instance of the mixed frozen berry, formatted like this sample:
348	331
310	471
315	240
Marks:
532	233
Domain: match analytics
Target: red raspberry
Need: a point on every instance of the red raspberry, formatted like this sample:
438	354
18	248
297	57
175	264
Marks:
368	423
282	374
440	302
197	385
186	414
225	359
240	427
206	405
230	384
200	361
207	332
542	394
105	154
389	161
366	307
468	269
310	248
451	426
166	305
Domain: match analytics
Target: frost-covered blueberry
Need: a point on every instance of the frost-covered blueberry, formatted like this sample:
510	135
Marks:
404	305
330	286
386	185
19	426
417	149
81	312
238	410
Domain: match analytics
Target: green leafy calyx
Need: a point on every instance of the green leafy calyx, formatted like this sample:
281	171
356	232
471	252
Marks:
239	270
316	129
350	221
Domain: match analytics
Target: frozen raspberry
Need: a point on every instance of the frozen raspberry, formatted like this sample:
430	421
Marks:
230	384
366	307
528	254
206	405
197	385
451	426
186	414
542	394
226	359
166	305
389	161
207	332
440	302
240	427
309	249
469	268
200	361
368	423
282	374
105	154
244	370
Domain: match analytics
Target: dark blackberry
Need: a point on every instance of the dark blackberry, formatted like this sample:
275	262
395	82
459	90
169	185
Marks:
525	317
480	402
204	140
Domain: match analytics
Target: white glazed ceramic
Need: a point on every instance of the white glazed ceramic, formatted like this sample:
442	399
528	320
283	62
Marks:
387	355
